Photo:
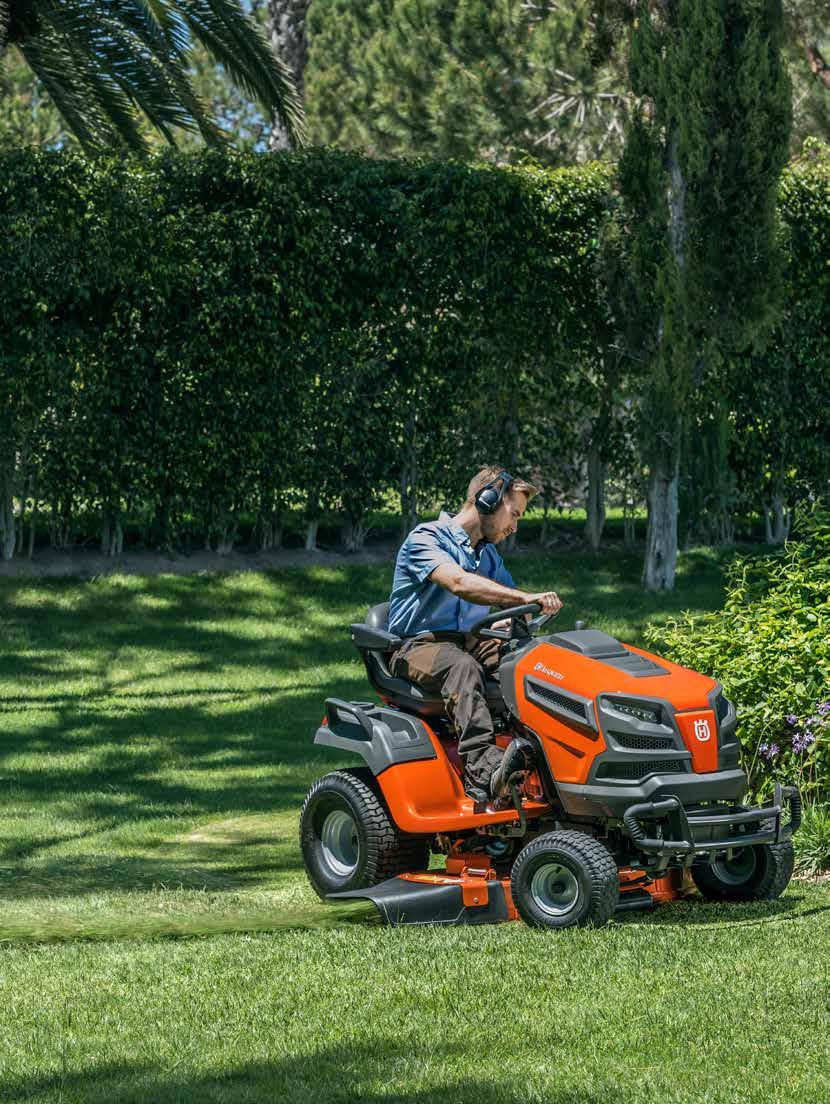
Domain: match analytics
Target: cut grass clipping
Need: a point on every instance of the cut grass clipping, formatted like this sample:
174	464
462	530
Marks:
55	925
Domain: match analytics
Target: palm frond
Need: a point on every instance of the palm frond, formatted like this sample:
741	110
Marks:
155	80
103	64
168	22
237	43
93	106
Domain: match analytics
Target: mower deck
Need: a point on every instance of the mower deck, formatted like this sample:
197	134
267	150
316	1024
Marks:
470	891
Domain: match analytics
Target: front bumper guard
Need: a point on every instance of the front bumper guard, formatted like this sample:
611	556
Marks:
696	829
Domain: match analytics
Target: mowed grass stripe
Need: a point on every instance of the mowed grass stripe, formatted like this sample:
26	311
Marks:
691	1006
158	940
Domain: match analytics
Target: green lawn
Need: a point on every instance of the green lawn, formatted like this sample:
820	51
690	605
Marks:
155	747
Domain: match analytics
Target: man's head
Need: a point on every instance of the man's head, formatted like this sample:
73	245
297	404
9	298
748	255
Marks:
505	518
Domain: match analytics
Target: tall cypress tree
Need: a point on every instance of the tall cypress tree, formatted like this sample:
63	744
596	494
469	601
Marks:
698	180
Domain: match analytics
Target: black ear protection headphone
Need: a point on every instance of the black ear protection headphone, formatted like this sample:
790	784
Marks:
489	497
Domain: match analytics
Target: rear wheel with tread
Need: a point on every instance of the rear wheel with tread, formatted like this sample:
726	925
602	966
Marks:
348	839
759	873
565	878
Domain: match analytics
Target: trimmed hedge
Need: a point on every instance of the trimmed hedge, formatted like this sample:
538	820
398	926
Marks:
199	337
781	427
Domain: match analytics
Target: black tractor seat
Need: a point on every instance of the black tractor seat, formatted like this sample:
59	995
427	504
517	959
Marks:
374	642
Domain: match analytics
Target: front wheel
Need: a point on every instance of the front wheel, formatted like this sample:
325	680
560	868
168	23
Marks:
565	878
347	838
759	873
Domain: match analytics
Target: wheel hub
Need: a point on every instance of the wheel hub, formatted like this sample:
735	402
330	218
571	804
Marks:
738	869
554	888
340	842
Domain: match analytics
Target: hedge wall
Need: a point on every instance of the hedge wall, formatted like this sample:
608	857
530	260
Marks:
200	337
781	427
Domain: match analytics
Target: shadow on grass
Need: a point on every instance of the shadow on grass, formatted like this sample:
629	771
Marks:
337	1075
101	773
101	745
699	913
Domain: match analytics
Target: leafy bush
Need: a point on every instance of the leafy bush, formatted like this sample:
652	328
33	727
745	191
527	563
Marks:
812	841
770	647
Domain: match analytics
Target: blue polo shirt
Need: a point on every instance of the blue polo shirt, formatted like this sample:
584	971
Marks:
417	605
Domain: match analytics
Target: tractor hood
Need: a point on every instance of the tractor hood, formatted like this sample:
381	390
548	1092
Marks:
619	724
587	662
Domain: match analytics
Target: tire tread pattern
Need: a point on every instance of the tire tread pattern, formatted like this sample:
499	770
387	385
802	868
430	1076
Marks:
389	851
598	861
770	884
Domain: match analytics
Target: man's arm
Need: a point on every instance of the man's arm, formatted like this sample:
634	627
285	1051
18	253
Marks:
487	592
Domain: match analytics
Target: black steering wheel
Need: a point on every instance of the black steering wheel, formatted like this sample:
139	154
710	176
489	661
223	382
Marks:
519	628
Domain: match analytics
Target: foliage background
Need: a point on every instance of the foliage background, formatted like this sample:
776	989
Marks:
770	647
205	338
204	335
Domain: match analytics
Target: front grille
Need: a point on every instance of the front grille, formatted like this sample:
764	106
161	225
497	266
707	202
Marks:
642	743
634	771
568	705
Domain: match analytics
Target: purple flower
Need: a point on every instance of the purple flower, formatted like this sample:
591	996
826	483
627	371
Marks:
824	707
791	719
802	740
768	751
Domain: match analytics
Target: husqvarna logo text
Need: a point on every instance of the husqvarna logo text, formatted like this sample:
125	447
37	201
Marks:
547	671
702	730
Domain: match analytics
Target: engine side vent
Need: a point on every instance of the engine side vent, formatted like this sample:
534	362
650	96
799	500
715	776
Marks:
636	771
636	665
542	694
636	742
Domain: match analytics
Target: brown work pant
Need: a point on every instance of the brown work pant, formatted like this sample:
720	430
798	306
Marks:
453	665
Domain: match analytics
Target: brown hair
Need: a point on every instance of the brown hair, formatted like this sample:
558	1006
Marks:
487	475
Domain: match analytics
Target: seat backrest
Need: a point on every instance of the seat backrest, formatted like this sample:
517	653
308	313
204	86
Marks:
378	616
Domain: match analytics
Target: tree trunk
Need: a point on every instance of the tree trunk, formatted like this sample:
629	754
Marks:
818	66
312	520
269	533
5	20
628	529
353	534
112	535
8	527
227	539
32	524
287	32
777	518
409	479
767	525
661	536
595	499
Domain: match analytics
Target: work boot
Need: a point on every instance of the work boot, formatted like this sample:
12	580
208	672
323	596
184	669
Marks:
516	759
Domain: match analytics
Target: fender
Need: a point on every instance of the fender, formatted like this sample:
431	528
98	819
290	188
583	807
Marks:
381	737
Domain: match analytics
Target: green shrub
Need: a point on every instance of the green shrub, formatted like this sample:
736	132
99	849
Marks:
770	647
812	841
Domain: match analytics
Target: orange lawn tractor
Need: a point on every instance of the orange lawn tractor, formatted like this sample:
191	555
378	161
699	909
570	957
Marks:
630	778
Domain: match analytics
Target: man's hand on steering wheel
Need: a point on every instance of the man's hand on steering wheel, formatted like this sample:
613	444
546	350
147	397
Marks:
549	600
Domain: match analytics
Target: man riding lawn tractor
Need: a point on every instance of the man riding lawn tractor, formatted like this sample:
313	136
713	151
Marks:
563	776
447	575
